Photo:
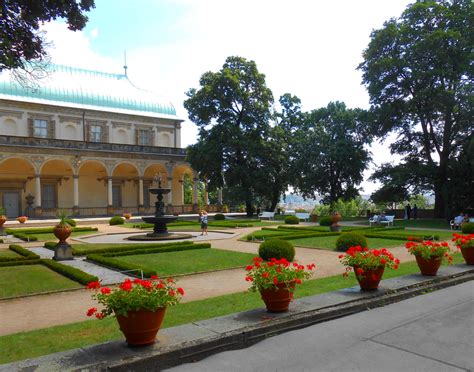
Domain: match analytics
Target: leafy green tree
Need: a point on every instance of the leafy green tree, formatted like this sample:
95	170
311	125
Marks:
20	38
329	153
232	112
419	74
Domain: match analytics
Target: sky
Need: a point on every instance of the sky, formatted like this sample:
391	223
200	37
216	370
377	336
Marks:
309	48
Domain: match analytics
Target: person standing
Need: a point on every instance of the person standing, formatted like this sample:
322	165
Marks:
203	220
415	212
408	210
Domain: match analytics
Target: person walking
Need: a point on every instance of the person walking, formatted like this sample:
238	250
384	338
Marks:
415	212
203	220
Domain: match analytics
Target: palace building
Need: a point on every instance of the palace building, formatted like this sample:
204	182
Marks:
87	143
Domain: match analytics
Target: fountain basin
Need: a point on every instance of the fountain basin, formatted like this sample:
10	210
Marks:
160	232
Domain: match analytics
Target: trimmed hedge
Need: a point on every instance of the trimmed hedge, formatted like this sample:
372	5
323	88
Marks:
24	252
20	262
69	272
276	248
116	220
400	237
325	221
351	239
292	220
219	217
120	265
26	237
119	248
45	230
189	247
467	228
71	222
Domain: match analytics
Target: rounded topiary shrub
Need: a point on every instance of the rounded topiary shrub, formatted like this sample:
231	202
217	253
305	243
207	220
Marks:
219	217
71	222
292	220
347	240
116	220
325	221
467	227
276	248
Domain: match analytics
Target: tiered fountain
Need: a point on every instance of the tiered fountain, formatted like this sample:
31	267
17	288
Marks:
160	231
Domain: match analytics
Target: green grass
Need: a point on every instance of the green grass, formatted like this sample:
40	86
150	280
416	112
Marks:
428	223
94	246
329	242
29	279
32	344
192	261
8	253
443	235
50	236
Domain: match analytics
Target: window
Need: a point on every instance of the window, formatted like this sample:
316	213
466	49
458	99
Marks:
144	137
40	128
96	133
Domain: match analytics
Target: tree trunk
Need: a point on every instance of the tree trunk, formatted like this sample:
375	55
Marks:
249	208
441	207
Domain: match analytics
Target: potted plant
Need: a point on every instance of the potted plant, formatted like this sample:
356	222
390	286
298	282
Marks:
62	230
22	219
368	265
465	244
429	255
127	215
3	219
276	281
335	218
139	306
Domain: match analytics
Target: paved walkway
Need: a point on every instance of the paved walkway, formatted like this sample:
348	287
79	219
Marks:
34	312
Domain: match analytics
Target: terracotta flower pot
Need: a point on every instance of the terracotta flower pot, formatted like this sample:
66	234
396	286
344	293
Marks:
140	327
278	300
335	218
22	219
3	219
428	266
62	233
369	279
468	254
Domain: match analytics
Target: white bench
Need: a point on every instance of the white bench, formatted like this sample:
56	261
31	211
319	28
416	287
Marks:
374	220
302	216
269	215
290	212
388	220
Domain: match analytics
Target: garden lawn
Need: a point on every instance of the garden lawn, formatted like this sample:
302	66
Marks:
9	253
29	279
32	344
428	223
329	242
50	236
443	235
191	261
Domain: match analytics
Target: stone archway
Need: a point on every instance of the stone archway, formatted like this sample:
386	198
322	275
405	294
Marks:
179	182
17	177
92	189
57	187
124	188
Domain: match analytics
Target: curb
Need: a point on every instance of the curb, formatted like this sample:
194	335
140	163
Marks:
195	341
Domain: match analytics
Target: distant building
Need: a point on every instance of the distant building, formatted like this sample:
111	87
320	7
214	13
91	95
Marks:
88	143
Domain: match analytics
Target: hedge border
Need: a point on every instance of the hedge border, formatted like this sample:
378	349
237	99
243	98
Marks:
27	235
69	272
113	263
120	247
189	247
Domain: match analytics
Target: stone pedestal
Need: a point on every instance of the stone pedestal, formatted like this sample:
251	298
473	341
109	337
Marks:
62	252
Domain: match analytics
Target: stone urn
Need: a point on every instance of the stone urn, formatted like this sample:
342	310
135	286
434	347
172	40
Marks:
335	218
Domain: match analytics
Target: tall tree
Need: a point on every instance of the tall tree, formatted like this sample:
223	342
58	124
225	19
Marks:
330	156
20	38
419	74
232	111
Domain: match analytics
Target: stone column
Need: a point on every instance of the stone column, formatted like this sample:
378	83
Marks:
170	194
38	209
195	190
140	195
75	208
110	209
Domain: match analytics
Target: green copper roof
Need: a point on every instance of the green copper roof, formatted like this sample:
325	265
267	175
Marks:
69	86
